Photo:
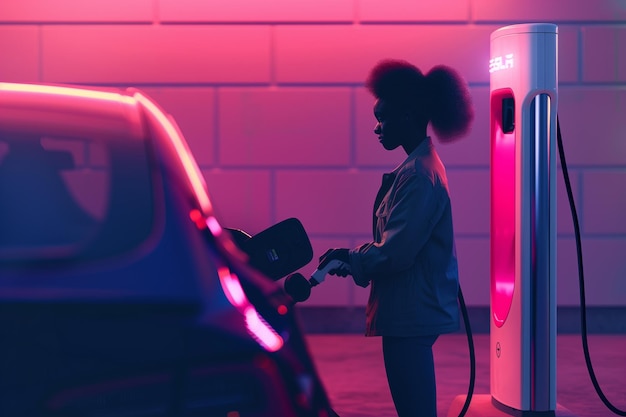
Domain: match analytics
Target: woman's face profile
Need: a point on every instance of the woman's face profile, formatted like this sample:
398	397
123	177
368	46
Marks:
392	125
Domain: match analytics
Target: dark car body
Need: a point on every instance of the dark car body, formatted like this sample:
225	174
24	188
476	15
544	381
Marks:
120	292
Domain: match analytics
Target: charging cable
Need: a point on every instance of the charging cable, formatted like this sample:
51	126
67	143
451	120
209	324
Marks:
472	354
581	278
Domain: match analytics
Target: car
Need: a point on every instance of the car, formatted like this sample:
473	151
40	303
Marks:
121	293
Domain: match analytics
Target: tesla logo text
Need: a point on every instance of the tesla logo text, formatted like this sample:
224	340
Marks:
499	63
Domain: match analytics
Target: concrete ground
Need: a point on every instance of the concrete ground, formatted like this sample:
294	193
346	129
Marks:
352	369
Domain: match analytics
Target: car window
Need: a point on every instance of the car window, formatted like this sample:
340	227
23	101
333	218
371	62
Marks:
72	197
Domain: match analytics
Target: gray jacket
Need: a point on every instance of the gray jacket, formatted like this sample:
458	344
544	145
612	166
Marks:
411	264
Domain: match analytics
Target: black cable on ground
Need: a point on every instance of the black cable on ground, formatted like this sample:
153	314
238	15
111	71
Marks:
581	278
470	344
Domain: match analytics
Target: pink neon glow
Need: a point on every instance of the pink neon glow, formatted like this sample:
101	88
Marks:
191	167
505	288
232	287
264	334
214	226
502	212
66	91
196	216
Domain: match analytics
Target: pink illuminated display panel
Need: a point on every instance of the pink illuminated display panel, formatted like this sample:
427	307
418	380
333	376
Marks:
502	206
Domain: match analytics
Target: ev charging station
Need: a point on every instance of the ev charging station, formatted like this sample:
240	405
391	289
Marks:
523	102
523	131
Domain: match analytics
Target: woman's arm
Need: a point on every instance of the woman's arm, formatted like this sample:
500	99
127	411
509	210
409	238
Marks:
409	217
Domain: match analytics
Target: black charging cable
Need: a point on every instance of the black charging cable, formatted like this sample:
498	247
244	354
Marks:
581	278
472	354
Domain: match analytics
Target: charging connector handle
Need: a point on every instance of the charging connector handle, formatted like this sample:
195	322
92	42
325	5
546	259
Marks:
320	274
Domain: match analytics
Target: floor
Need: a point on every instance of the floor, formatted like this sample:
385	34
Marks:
351	367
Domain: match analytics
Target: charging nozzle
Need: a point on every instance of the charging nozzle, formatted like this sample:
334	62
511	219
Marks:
320	274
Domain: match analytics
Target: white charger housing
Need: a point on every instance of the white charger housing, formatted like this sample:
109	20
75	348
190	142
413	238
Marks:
523	107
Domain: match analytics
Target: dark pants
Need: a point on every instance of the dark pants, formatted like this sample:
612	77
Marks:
411	374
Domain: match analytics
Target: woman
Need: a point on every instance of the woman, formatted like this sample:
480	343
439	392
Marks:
411	263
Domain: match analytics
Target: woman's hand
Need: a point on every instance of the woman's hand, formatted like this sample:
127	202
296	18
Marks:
340	254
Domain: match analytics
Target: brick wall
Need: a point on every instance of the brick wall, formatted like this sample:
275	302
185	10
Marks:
269	95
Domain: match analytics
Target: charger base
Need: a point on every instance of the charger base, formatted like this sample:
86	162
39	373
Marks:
482	406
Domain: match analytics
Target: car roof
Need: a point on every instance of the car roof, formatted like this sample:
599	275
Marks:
85	111
97	112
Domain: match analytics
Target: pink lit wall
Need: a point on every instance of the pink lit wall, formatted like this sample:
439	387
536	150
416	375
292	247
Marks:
269	95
